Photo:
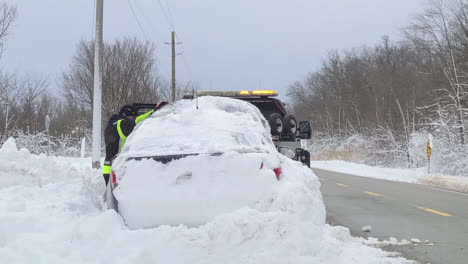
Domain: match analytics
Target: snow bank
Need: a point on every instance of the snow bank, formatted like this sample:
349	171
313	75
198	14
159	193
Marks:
375	242
419	176
49	213
459	184
403	175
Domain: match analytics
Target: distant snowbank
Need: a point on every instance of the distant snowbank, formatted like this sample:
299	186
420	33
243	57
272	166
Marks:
418	176
459	184
51	213
402	175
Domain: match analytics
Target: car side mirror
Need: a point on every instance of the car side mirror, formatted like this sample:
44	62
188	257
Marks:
305	130
290	153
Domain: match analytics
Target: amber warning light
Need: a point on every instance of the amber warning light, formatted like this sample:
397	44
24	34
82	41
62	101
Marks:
238	93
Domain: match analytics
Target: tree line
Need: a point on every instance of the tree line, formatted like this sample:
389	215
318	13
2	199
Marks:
396	88
130	74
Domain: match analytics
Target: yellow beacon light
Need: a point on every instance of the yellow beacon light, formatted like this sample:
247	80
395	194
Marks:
243	93
264	92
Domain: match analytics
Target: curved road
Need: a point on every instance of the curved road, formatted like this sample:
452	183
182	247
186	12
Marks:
400	210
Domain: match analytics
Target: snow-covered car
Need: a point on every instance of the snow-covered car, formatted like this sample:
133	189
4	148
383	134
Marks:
286	132
193	160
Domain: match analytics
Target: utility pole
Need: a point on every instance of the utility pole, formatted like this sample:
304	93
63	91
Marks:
97	103
173	66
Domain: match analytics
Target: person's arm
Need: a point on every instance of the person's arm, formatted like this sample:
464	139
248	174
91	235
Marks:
148	114
142	117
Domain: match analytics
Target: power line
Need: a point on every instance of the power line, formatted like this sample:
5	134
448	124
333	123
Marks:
147	20
153	27
184	59
169	12
137	20
168	19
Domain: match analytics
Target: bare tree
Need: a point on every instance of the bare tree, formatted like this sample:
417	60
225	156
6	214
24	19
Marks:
182	88
9	93
8	15
442	30
129	75
19	99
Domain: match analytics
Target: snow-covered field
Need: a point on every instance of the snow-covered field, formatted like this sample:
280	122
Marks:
51	212
418	175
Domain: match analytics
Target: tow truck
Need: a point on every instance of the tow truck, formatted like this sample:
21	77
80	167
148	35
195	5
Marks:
288	135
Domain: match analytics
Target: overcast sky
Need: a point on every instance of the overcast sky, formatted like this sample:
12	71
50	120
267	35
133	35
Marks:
238	44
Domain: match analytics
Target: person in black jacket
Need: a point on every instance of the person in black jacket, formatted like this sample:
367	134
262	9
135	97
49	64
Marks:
118	129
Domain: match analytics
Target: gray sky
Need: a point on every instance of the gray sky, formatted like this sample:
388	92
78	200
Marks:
241	44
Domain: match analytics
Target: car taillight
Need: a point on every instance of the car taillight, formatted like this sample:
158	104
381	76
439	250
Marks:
277	173
114	179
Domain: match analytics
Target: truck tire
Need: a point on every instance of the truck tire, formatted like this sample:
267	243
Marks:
290	125
276	123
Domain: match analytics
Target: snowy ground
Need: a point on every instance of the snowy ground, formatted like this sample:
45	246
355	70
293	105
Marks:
51	212
418	175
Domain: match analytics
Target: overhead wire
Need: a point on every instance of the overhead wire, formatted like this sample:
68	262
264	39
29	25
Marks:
148	21
171	23
137	20
169	19
135	8
170	13
184	58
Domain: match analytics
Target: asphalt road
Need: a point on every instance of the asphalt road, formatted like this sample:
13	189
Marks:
400	210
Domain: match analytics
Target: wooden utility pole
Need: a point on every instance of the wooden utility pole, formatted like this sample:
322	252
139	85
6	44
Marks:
97	101
173	66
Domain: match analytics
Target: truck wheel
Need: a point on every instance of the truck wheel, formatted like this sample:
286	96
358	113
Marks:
276	123
290	125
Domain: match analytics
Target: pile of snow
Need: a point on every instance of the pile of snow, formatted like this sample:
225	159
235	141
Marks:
402	175
50	213
419	176
459	184
375	242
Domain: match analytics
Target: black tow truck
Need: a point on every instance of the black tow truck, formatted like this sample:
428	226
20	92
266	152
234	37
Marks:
286	132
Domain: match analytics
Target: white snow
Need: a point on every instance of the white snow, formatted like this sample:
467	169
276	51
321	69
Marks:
418	176
428	243
374	242
430	140
195	189
366	229
219	124
415	241
50	212
403	175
